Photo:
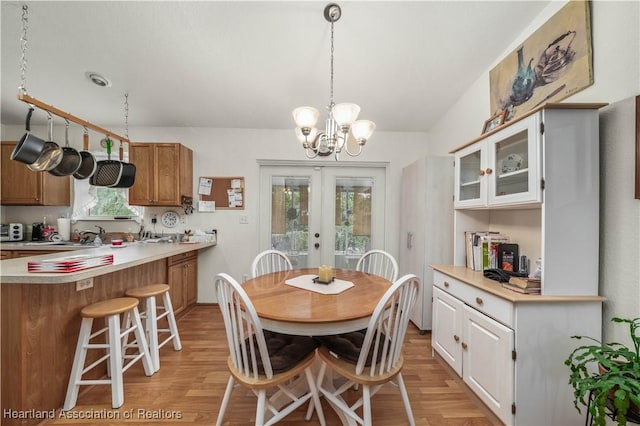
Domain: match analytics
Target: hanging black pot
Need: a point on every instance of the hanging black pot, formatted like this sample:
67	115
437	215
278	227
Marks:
88	164
128	177
108	172
30	146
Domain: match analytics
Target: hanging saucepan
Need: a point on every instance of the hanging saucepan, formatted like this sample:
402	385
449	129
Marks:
128	177
108	172
88	163
30	146
71	158
51	154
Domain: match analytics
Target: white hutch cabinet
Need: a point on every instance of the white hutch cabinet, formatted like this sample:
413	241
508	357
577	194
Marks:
535	179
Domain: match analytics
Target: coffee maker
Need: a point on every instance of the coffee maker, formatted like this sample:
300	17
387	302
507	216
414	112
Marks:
37	232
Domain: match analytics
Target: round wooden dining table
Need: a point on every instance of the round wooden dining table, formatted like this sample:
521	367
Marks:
291	310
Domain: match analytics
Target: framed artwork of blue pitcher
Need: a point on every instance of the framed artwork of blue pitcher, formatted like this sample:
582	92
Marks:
555	62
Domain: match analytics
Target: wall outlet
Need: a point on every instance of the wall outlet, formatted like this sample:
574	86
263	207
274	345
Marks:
84	284
244	219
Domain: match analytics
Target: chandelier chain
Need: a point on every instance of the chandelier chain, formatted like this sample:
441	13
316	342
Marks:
331	88
23	43
126	115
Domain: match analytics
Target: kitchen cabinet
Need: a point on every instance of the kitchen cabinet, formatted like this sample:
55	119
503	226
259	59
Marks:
183	280
426	226
19	186
465	338
164	174
509	347
502	169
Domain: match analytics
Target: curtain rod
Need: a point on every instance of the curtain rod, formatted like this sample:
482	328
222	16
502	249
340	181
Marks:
53	110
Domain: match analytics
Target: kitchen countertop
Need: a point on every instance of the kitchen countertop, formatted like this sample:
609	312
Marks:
44	245
14	271
477	279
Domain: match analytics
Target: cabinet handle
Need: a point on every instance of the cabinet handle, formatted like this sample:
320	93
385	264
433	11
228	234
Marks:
456	337
464	345
489	170
446	284
481	173
479	300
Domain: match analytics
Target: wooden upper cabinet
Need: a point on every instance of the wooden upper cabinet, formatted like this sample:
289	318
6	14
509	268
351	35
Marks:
22	187
164	174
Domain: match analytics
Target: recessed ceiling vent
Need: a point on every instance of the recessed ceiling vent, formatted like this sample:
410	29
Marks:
97	79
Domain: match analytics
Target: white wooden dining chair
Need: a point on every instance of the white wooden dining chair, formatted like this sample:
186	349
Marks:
374	359
270	261
270	364
379	262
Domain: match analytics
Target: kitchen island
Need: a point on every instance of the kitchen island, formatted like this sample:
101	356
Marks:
40	314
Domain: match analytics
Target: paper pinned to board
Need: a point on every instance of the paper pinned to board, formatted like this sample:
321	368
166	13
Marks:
206	206
204	188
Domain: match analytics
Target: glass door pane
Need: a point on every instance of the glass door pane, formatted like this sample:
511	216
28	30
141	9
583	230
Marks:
290	217
512	165
470	166
352	220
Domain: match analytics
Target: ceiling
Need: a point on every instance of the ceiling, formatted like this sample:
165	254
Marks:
238	64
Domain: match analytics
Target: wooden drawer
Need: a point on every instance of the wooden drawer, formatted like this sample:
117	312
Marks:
182	257
497	308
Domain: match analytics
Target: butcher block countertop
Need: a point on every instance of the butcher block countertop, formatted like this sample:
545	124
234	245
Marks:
14	271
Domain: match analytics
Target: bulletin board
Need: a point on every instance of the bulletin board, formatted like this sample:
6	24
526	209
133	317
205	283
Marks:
226	192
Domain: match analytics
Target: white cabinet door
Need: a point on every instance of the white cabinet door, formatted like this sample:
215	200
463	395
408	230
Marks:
470	180
505	168
446	334
488	368
514	158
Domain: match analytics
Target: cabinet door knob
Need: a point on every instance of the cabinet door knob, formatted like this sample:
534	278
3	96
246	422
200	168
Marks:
481	173
464	345
456	337
479	300
446	284
489	170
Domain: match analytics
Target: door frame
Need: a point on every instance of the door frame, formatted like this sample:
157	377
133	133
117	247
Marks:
265	220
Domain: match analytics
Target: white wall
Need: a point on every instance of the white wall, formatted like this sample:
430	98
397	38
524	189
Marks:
616	63
234	152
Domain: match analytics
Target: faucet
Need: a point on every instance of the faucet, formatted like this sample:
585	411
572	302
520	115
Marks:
87	236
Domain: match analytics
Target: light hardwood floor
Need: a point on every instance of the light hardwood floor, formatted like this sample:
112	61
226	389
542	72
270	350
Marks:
190	385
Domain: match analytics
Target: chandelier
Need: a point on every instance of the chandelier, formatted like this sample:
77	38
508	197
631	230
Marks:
341	121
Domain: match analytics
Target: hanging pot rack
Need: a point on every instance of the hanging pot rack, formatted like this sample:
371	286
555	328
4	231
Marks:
53	110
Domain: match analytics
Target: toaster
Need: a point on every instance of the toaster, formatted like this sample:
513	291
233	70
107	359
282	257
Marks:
13	232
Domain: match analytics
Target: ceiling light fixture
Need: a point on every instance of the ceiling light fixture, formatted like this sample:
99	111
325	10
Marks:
342	117
98	79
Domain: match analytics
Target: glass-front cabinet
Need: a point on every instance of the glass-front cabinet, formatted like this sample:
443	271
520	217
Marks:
502	169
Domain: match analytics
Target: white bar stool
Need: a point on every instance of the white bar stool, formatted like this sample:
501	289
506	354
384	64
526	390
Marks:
147	295
110	310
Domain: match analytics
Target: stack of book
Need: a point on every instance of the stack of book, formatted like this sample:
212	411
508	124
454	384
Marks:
70	263
482	249
524	285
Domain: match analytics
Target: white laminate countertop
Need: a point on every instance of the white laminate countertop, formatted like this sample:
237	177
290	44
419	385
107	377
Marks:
14	271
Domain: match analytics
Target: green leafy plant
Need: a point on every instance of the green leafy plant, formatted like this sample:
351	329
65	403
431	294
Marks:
607	372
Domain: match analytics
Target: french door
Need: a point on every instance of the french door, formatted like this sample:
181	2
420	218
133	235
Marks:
322	215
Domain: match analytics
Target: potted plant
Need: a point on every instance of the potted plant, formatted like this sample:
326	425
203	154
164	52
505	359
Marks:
609	375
